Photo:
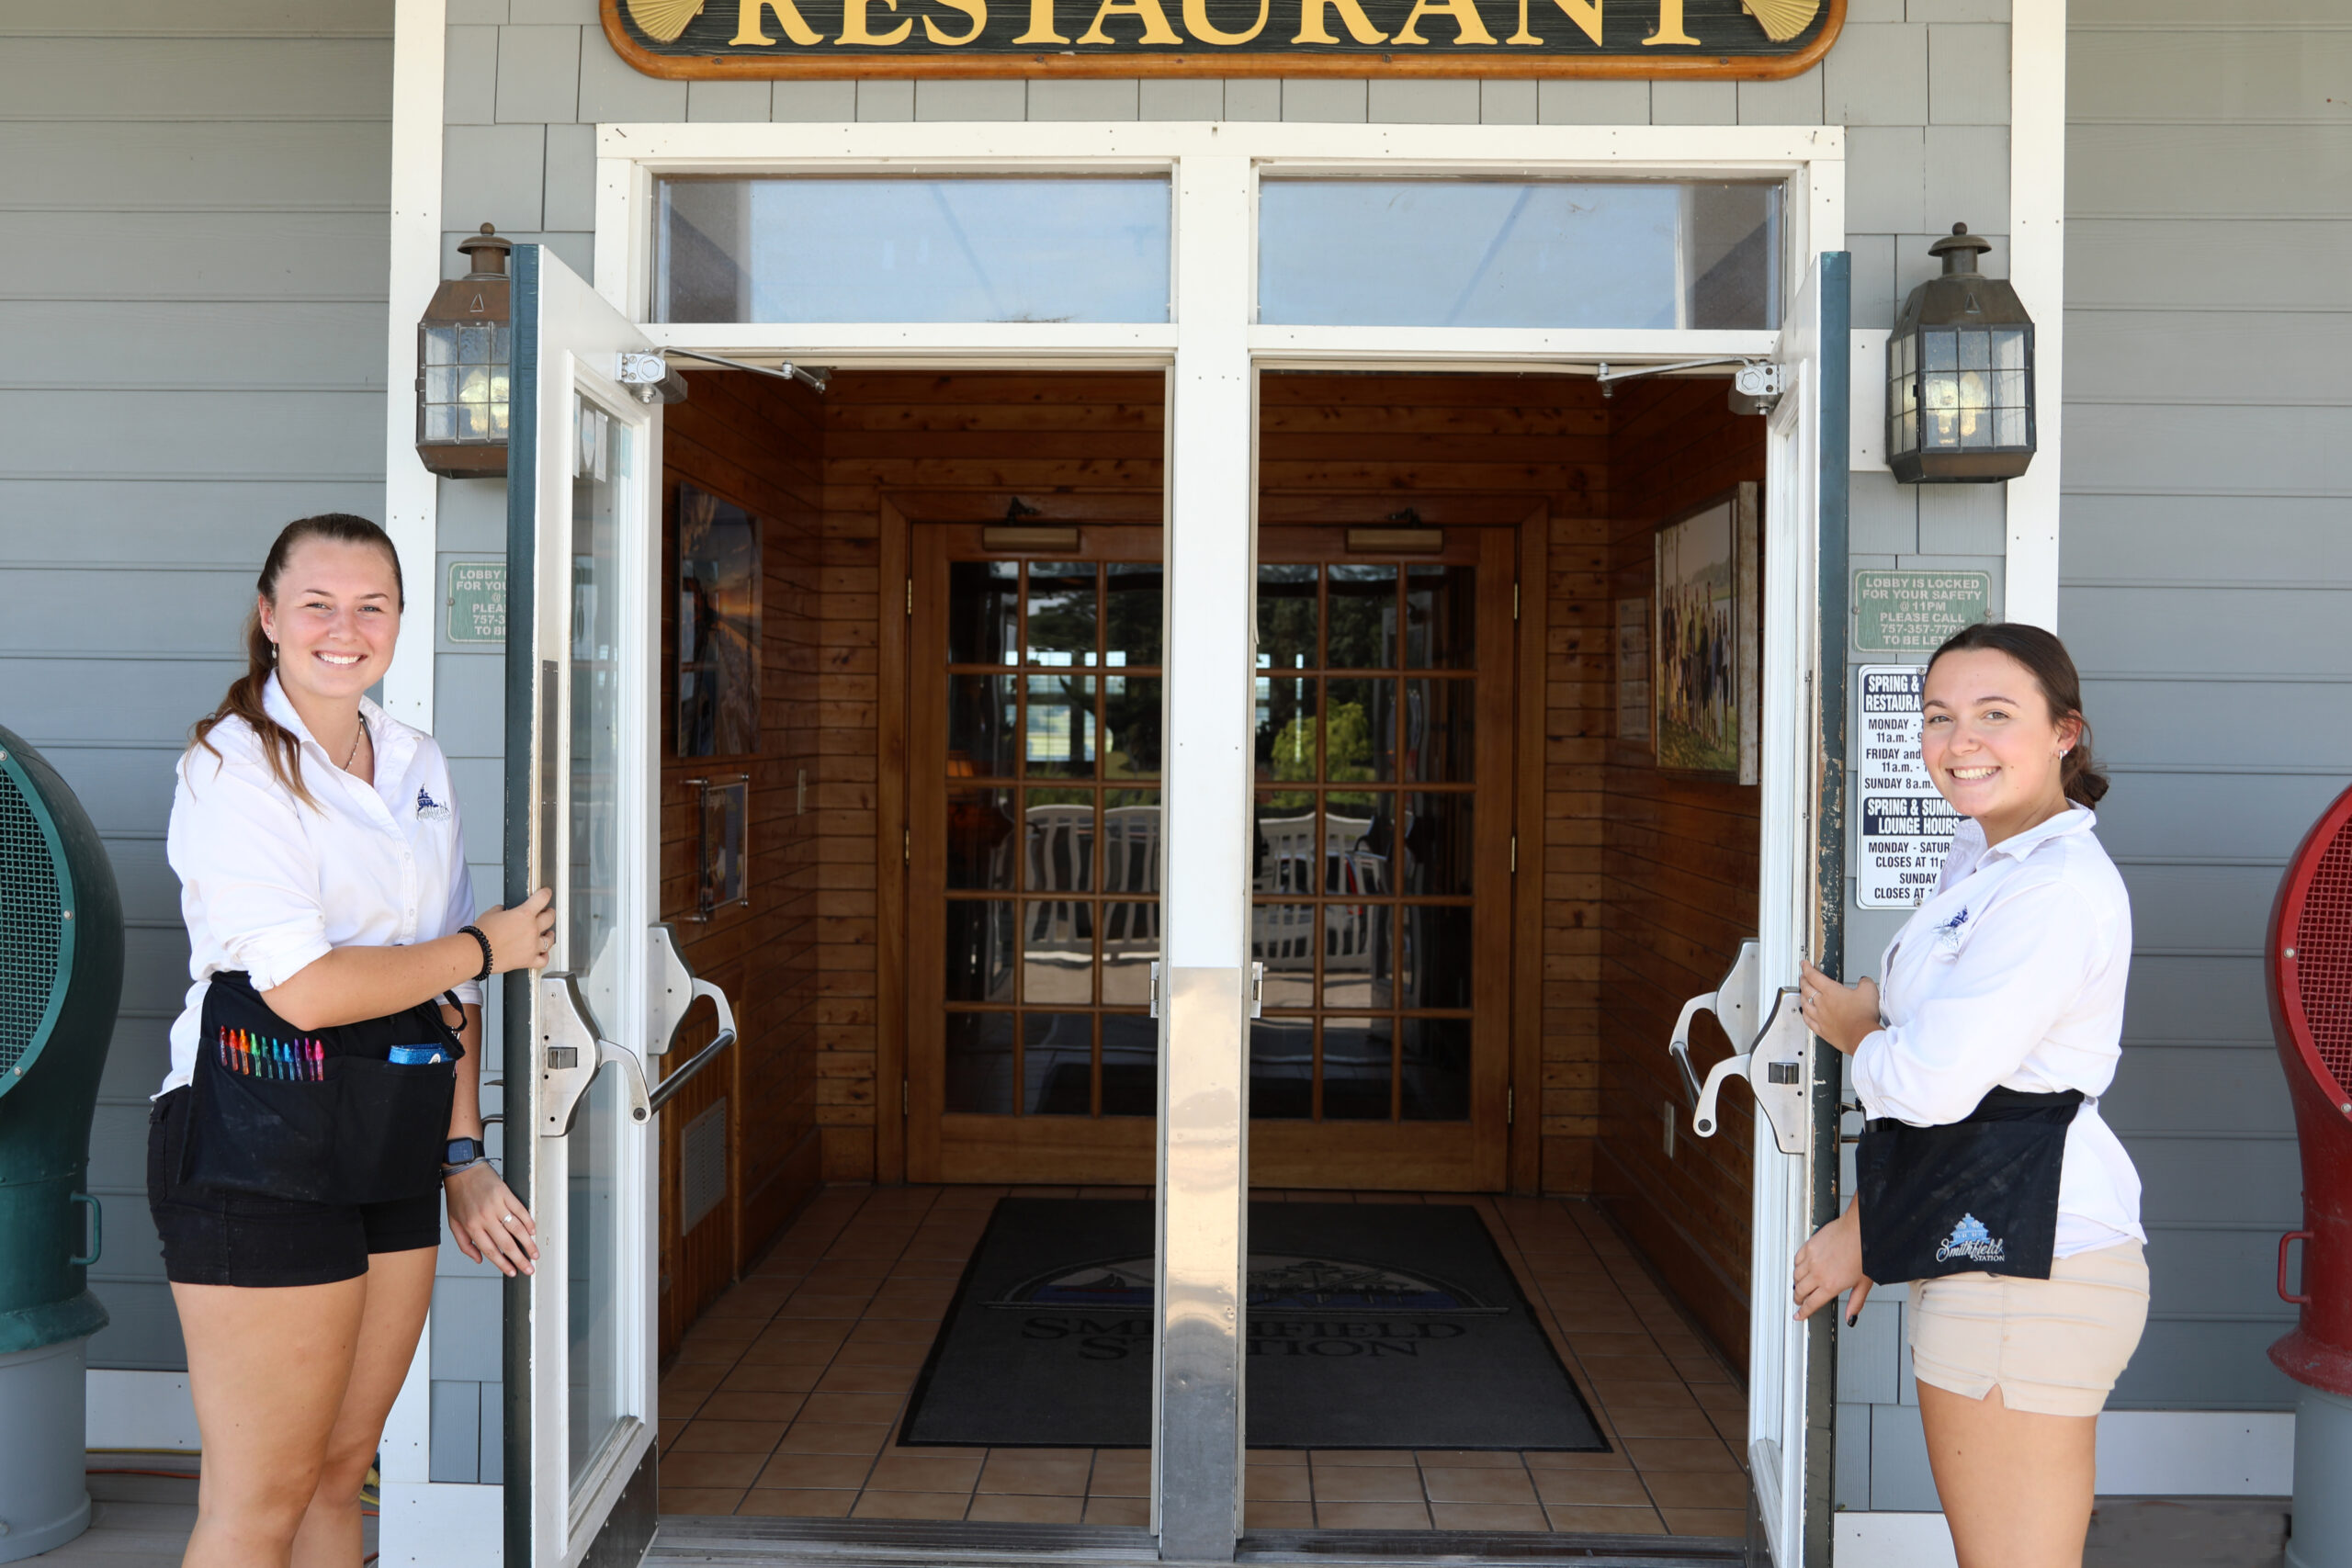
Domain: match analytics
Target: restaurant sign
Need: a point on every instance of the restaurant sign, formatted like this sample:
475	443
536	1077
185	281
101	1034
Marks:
1742	38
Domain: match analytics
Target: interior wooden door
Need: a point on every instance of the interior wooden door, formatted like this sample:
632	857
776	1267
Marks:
1033	855
1381	892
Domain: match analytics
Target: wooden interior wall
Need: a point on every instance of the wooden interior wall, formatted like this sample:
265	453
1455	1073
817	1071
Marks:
939	447
1459	450
757	443
1333	448
1680	865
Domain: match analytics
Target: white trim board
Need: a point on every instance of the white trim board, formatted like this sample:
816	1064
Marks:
411	497
630	156
2038	268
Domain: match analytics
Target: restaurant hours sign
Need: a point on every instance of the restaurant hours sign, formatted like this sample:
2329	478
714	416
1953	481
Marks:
1906	826
1750	39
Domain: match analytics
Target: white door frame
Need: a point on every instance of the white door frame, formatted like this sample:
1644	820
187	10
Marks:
1213	346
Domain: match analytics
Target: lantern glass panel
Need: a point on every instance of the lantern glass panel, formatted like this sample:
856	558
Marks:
440	345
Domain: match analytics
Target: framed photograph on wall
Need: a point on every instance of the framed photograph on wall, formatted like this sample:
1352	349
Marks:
1703	638
723	843
1634	670
719	627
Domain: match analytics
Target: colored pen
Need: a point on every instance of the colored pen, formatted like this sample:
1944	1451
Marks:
245	1056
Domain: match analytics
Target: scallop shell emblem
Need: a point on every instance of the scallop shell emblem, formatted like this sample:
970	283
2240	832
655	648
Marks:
1781	20
663	20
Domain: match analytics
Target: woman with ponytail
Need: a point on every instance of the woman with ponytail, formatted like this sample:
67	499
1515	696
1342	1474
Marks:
324	1090
1984	1175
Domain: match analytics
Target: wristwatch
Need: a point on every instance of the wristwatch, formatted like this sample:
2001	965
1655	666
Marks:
459	1153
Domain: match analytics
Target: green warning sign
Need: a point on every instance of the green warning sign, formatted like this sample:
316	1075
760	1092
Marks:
1913	612
476	600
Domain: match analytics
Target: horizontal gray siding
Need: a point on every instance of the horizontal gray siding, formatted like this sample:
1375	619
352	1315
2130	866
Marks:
2207	577
192	285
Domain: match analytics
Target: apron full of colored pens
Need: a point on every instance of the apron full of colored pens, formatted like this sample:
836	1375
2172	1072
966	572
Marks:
249	1054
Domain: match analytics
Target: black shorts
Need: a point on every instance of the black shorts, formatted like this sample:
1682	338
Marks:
233	1238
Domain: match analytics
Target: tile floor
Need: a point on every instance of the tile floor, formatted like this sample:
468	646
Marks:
785	1398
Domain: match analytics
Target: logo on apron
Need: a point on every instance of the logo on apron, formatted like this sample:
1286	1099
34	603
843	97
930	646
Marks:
1970	1239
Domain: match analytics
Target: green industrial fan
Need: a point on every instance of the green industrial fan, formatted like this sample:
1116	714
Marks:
60	976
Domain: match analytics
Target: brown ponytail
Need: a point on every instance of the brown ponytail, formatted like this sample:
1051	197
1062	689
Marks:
2053	669
279	747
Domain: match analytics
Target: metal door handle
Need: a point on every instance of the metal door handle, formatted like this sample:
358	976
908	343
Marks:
675	989
572	1048
1733	1002
1680	1046
1775	1069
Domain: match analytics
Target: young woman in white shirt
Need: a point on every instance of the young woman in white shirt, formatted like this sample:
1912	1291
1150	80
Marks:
2005	990
318	847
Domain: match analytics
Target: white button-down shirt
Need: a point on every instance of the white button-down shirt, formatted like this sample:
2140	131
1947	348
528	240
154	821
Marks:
2013	975
268	884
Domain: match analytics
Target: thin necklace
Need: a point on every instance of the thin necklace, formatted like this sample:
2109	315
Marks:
355	745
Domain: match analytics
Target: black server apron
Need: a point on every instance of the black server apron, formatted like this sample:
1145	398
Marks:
357	1113
1977	1195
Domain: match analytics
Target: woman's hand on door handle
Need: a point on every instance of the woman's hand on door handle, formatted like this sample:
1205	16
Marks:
1843	1015
1830	1264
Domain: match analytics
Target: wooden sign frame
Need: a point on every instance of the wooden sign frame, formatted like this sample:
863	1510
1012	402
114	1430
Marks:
1644	38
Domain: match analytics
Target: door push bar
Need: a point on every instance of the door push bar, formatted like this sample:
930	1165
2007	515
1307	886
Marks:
676	988
1780	1047
572	1048
1734	1004
1775	1069
571	1051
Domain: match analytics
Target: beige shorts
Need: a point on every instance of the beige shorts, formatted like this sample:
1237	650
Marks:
2054	1346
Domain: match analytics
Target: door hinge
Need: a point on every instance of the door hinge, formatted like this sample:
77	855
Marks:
906	1099
1510	1107
906	845
910	596
1514	601
1514	854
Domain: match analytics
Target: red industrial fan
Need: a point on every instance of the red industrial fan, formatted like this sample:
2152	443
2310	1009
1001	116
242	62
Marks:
2310	969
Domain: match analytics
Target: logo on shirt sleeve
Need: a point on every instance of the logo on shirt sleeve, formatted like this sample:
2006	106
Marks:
1970	1239
429	809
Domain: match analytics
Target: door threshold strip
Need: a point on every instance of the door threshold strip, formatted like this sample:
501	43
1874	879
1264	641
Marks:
739	1541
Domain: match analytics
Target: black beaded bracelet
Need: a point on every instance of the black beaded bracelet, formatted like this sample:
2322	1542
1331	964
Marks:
475	932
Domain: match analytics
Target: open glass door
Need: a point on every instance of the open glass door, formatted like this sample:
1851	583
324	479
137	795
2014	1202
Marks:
580	743
1800	907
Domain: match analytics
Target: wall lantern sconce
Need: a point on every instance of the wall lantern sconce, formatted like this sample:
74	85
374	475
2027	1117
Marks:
465	344
1959	374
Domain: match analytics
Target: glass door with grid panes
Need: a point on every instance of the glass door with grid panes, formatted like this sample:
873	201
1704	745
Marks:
1034	754
1381	860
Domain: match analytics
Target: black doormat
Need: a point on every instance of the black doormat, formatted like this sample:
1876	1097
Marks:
1371	1325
